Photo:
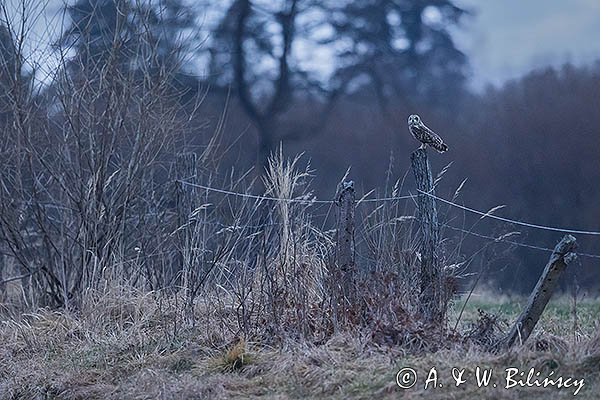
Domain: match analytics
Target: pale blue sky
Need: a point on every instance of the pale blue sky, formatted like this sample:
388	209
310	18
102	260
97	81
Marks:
507	38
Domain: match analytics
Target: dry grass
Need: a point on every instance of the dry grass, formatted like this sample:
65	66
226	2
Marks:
122	278
257	321
128	345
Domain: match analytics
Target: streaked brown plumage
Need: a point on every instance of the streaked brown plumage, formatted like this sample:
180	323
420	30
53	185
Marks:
425	135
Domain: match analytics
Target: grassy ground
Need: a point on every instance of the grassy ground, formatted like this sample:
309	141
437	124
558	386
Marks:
128	347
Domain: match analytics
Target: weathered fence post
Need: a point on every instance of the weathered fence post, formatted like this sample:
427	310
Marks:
345	273
186	170
432	289
562	255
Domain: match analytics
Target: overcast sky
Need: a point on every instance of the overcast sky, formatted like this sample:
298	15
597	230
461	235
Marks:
507	38
504	39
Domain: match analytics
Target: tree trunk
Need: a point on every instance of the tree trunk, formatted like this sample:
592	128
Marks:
266	145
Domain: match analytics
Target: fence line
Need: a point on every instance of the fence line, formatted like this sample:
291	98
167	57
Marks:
518	244
385	199
454	228
405	197
225	226
381	200
512	221
253	196
303	201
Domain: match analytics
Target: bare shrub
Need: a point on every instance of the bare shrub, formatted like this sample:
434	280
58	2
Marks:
83	187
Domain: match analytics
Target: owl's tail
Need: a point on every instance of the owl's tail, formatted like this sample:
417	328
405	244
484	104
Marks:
439	146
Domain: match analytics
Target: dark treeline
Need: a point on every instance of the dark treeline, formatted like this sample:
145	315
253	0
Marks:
130	77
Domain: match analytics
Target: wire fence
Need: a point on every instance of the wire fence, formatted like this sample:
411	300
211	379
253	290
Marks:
482	214
512	242
512	221
310	201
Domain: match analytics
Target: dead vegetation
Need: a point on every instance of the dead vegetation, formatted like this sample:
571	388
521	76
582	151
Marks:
125	346
122	276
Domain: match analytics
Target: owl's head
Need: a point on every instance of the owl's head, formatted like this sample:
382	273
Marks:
414	119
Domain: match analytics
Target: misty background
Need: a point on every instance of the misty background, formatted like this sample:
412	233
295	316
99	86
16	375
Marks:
512	87
503	40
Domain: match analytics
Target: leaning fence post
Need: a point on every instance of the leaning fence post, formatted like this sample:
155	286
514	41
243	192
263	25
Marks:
432	289
562	255
345	272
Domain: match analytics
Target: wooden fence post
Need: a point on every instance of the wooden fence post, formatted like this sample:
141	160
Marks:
345	274
562	255
432	290
186	170
186	167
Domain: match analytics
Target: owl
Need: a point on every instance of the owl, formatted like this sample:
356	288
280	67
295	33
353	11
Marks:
425	135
